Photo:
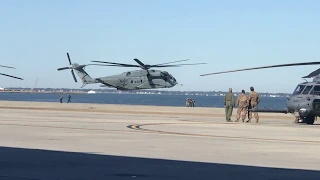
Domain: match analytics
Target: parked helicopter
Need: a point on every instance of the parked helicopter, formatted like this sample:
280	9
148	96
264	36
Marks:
131	80
304	103
7	74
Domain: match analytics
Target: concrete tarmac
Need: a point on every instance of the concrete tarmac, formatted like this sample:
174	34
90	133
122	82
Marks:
88	141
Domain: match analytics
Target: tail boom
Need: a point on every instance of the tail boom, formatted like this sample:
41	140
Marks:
84	76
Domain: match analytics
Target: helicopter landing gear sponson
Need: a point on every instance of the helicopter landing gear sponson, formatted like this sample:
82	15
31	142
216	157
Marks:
309	119
305	116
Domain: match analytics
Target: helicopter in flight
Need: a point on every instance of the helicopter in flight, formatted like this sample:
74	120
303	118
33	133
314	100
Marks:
304	102
7	74
146	78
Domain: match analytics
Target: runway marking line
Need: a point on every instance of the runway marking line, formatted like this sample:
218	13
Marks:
70	128
108	111
138	127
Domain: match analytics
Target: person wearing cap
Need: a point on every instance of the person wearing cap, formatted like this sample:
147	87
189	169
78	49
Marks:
253	100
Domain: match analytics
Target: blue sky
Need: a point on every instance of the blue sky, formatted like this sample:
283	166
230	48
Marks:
36	34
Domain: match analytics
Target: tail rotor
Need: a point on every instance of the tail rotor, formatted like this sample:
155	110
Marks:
71	67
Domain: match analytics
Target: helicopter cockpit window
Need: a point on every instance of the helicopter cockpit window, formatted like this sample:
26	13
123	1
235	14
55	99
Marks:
299	89
128	74
307	90
316	90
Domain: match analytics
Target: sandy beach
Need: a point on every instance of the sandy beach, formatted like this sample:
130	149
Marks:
102	141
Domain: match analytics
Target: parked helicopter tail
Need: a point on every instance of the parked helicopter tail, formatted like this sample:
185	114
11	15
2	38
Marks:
9	75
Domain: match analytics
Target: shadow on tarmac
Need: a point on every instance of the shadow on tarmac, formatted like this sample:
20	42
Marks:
33	164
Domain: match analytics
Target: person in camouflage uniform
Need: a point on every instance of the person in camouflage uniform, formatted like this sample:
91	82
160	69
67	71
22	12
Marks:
242	103
253	100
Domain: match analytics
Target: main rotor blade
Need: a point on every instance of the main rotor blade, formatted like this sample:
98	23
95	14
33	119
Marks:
264	67
11	76
63	68
120	64
139	62
171	62
7	67
74	77
116	65
176	65
69	58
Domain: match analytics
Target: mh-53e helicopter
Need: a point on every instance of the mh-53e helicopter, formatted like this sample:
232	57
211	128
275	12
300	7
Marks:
145	78
9	75
304	103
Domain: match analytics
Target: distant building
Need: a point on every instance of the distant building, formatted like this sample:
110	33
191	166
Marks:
91	92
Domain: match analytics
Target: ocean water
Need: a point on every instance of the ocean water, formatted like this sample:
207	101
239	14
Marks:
139	99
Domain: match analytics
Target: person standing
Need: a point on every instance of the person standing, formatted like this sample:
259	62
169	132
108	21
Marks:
61	98
229	104
187	102
253	100
242	103
69	99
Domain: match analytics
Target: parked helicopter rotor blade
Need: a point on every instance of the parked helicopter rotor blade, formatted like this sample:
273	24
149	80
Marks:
170	62
11	76
7	67
119	64
264	67
313	74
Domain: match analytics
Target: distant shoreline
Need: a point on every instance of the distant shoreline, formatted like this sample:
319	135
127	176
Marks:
43	92
106	90
146	92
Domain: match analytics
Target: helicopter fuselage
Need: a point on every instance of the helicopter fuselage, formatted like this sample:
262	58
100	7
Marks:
139	79
305	101
146	78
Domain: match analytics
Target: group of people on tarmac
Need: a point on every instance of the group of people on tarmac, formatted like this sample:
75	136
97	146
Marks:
190	102
245	105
